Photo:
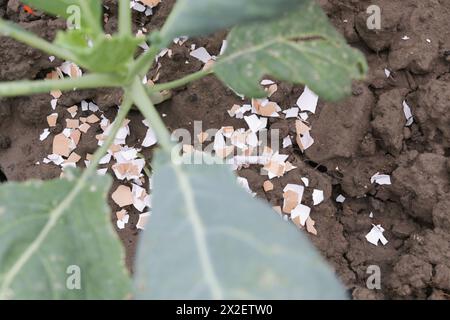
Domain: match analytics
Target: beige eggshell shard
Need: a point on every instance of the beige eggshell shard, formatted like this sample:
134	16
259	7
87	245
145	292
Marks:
267	110
303	137
114	148
56	94
125	170
143	219
75	71
121	214
290	200
233	110
276	168
310	226
267	186
301	211
61	145
301	128
72	123
92	119
75	135
51	119
272	89
202	136
73	111
151	3
84	127
227	131
73	158
52	75
122	196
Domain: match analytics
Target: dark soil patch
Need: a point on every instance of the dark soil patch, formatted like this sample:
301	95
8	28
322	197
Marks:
355	138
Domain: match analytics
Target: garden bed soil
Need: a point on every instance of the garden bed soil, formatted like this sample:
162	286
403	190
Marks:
354	138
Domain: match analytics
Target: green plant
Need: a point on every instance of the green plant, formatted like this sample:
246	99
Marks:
195	246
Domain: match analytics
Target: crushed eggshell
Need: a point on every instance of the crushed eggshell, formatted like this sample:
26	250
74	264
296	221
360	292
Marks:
408	114
308	101
92	119
317	196
375	235
72	123
53	103
73	158
84	127
381	179
73	111
267	186
291	113
44	134
202	136
122	196
305	181
303	137
150	136
122	218
310	226
143	219
255	123
141	199
266	108
340	198
287	142
292	195
51	119
201	54
61	145
301	212
272	89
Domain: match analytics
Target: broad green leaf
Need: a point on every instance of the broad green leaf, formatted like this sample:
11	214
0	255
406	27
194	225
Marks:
302	47
89	11
202	17
207	238
57	245
103	54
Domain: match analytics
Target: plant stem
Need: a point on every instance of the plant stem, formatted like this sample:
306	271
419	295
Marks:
62	207
143	63
17	88
145	105
24	36
124	18
90	18
180	82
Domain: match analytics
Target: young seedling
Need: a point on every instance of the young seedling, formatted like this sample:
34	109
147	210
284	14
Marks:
207	238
